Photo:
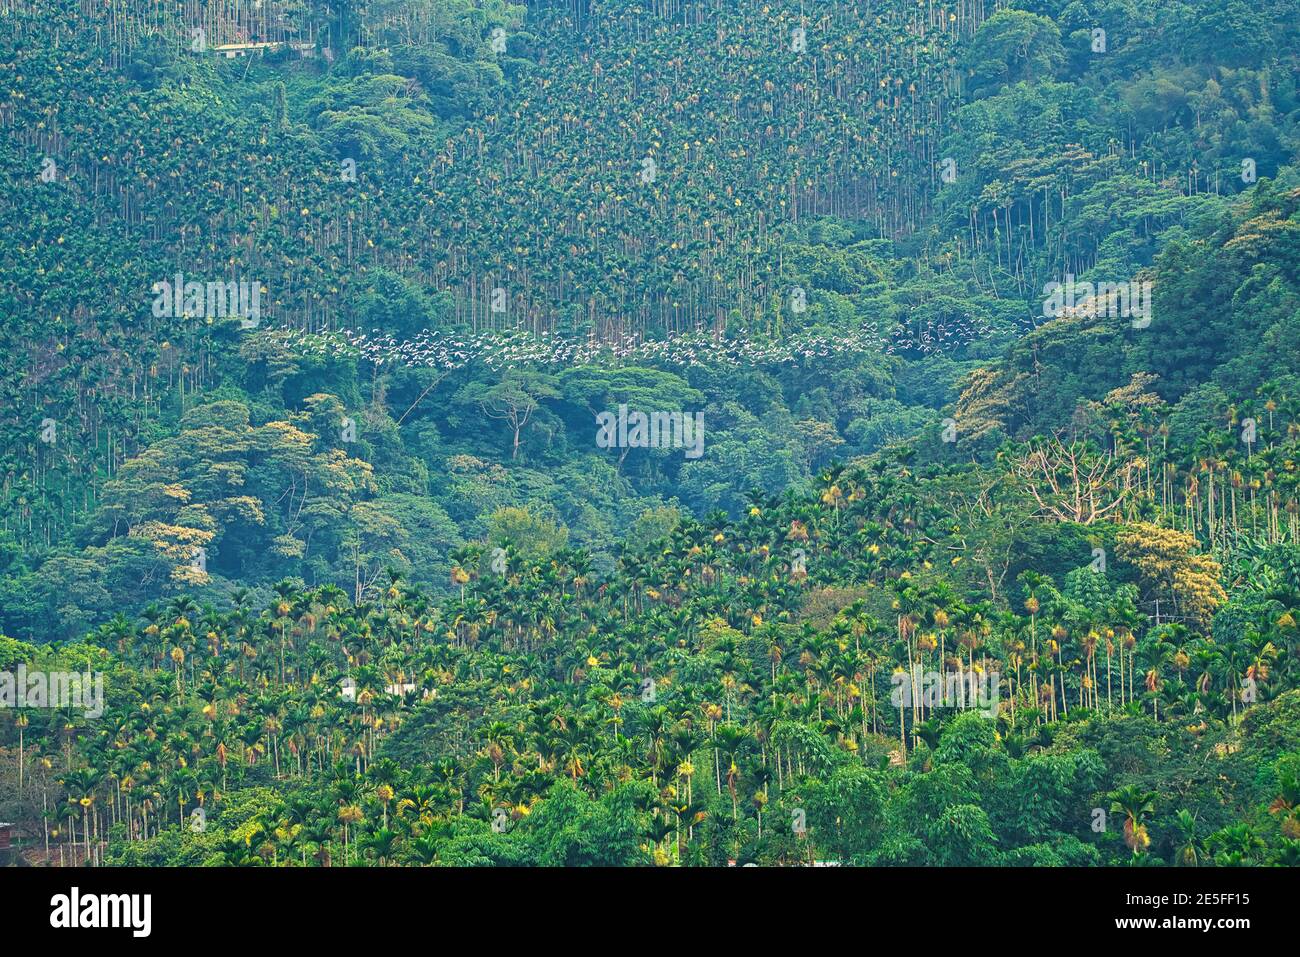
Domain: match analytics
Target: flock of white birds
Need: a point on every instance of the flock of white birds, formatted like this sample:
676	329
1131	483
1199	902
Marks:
517	350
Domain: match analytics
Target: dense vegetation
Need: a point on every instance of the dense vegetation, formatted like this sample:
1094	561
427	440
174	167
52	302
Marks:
367	589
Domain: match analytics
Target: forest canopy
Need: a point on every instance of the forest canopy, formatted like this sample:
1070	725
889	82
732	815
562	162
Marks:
652	433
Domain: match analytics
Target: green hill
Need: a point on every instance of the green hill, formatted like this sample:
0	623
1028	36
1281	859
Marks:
309	318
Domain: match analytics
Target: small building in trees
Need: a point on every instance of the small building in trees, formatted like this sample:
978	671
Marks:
232	50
